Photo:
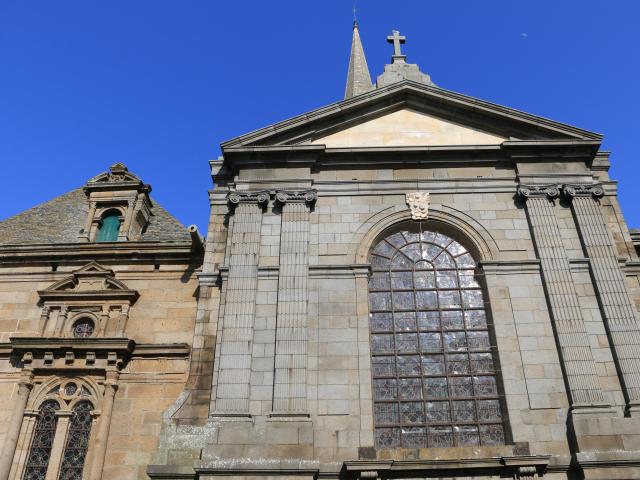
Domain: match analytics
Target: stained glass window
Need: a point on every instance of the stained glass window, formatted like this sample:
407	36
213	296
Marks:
40	452
75	449
109	227
83	328
434	380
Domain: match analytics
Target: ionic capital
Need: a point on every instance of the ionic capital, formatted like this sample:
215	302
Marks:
296	196
236	197
572	190
538	191
26	379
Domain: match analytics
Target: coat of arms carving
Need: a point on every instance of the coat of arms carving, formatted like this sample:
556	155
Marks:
419	204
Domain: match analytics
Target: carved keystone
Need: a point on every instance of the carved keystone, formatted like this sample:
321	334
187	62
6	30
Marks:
419	204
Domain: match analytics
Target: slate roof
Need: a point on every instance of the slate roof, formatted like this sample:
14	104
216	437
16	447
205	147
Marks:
60	220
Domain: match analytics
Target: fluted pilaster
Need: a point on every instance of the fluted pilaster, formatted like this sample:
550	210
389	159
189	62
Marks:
290	382
575	350
617	308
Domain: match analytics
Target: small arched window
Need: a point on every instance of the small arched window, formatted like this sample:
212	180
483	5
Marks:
109	227
434	378
44	432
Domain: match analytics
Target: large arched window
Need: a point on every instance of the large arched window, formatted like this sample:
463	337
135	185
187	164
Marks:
60	440
109	227
434	379
42	443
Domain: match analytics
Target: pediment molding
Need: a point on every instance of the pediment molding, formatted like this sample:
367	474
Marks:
427	99
91	282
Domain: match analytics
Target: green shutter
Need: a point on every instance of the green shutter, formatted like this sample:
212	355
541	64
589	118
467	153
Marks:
109	228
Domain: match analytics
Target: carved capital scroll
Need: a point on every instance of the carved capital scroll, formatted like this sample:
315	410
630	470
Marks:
573	190
261	197
538	191
297	196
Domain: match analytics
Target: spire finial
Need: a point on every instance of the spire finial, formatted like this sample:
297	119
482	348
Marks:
358	78
355	17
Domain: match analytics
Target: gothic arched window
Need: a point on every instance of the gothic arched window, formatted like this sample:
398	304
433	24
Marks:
75	450
434	379
42	442
109	227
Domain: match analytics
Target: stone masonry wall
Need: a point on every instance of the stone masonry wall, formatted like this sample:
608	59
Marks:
164	313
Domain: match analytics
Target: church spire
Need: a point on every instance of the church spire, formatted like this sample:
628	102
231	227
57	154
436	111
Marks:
358	78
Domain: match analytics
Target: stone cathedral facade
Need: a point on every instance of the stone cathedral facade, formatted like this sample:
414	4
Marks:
409	283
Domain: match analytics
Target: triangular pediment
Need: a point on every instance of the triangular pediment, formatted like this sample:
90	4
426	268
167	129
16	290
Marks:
404	128
409	114
92	279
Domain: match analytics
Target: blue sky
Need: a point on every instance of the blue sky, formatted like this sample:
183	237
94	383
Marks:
159	84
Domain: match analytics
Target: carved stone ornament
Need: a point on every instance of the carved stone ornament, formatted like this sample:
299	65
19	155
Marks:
583	190
538	191
419	204
261	197
307	196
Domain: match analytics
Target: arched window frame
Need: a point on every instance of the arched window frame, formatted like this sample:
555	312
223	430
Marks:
109	212
441	228
54	390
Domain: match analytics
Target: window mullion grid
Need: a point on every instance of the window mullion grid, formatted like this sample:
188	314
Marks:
475	398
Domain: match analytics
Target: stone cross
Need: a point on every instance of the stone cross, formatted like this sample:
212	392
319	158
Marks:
397	40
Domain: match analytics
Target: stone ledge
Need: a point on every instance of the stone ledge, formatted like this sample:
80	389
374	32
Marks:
620	458
170	472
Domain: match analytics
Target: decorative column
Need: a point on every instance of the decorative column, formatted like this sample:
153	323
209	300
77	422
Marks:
616	306
44	318
234	372
575	351
290	381
125	227
102	435
61	320
11	438
86	233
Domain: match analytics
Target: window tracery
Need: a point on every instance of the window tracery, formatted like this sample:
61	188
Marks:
74	399
77	444
434	379
83	328
44	432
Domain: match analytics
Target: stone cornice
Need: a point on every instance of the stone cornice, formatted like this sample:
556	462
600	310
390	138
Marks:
319	156
136	252
509	266
20	344
141	350
161	350
96	295
520	465
337	271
